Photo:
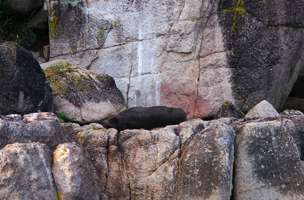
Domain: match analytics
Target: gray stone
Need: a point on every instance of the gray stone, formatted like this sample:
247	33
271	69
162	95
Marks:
83	96
298	135
35	127
74	175
268	164
25	172
262	110
23	87
206	165
191	54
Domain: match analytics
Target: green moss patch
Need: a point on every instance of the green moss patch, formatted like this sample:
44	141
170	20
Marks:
71	82
238	9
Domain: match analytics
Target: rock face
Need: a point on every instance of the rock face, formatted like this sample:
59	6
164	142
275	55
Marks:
25	172
220	159
74	174
180	53
83	96
183	161
268	162
23	87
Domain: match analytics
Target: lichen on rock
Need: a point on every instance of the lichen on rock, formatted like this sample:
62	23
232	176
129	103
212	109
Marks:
83	96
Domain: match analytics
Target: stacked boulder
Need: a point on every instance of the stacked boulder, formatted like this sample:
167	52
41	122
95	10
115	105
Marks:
248	158
83	96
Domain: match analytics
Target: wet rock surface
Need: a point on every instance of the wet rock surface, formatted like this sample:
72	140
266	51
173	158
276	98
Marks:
24	7
36	127
165	163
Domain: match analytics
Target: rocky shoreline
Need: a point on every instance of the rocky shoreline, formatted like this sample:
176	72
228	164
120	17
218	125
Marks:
260	158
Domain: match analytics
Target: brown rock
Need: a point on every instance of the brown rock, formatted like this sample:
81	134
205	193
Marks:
206	164
25	172
175	162
74	174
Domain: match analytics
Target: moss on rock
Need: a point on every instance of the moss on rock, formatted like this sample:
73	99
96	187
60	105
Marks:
76	84
53	23
65	78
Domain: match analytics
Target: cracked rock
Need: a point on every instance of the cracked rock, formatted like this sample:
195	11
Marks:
175	162
189	54
74	175
25	172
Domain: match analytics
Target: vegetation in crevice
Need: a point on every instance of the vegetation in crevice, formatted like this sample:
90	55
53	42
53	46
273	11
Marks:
53	23
62	116
238	9
100	35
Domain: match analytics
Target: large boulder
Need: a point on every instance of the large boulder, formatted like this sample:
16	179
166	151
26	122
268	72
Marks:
83	96
25	172
183	161
268	163
74	174
185	53
23	87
